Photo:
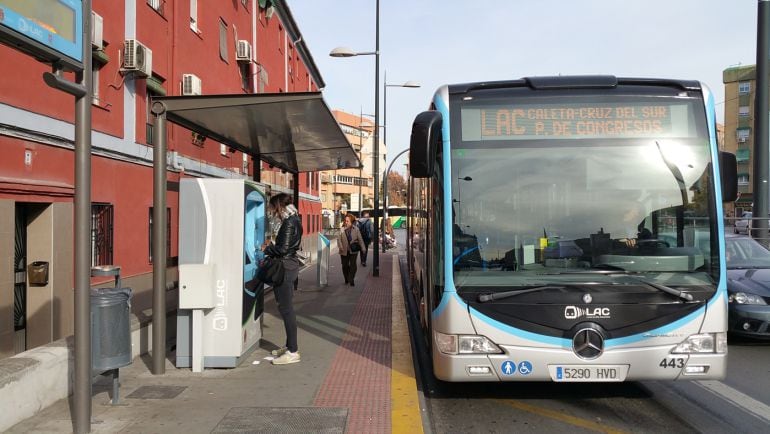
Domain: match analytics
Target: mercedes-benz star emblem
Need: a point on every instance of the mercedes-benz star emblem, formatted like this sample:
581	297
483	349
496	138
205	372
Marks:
588	344
587	299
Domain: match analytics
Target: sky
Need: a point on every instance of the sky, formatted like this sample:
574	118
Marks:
437	42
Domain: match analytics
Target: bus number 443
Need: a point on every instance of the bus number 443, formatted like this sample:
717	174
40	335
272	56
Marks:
672	363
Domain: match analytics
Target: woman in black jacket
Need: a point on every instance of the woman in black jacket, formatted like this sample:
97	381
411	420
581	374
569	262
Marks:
287	242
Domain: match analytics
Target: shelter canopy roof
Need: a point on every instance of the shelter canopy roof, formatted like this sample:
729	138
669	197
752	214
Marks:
293	131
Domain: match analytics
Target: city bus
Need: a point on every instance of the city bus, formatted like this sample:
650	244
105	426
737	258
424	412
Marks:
570	229
396	216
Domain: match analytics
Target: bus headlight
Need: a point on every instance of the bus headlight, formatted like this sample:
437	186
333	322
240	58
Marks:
465	344
702	343
478	345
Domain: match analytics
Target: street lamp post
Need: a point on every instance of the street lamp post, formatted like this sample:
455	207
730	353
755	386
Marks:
347	52
411	84
360	157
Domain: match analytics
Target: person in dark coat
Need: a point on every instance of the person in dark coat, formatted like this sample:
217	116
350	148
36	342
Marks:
287	242
349	237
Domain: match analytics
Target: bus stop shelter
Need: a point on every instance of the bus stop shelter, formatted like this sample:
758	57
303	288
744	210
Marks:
295	132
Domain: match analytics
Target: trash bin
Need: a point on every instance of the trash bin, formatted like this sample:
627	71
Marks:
110	328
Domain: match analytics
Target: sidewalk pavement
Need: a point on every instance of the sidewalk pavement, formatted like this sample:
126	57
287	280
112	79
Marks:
356	373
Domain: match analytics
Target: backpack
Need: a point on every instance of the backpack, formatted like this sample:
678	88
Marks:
365	227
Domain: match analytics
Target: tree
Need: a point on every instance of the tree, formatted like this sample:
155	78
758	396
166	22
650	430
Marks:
396	189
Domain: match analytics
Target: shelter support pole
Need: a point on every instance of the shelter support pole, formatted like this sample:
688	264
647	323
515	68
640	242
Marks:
257	175
159	240
296	189
376	153
82	380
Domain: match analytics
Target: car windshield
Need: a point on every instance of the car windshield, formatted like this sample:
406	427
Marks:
744	252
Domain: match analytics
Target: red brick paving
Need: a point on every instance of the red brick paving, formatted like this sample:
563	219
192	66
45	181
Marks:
359	377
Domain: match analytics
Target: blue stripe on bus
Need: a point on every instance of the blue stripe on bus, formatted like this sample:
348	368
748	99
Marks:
668	328
562	342
449	297
443	108
549	340
711	122
445	299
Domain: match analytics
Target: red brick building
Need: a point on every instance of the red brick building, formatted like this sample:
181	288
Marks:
206	47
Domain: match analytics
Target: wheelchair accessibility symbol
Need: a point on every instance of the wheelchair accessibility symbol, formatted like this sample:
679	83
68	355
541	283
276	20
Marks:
508	367
525	368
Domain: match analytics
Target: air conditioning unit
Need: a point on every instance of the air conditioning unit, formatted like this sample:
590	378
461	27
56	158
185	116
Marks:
191	84
243	53
137	58
97	32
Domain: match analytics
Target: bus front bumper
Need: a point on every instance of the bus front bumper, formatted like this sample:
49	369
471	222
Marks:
560	365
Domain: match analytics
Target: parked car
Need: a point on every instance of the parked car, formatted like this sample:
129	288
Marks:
748	287
743	224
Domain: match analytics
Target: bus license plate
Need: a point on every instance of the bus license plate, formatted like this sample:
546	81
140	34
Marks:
594	373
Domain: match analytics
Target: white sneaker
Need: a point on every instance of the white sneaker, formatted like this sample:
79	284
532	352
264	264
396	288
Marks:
279	351
286	358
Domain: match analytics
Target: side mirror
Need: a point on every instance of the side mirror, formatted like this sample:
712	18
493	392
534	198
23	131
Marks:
424	144
728	169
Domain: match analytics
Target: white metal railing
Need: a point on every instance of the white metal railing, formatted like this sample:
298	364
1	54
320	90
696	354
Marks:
324	251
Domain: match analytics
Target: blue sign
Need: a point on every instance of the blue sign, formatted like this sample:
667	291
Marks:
559	373
508	367
52	29
525	368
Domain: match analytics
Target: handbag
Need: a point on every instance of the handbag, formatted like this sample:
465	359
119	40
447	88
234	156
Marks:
355	247
303	257
271	271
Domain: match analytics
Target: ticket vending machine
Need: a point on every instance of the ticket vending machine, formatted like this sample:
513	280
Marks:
222	225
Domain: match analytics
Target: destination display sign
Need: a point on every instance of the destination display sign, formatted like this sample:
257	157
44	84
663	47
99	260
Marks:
48	29
577	120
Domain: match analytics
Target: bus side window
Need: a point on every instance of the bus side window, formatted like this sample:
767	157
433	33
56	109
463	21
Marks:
437	225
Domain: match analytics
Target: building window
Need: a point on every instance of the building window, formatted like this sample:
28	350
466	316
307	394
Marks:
743	179
743	111
95	68
157	5
194	15
168	234
102	218
223	150
222	39
744	87
245	69
743	135
742	155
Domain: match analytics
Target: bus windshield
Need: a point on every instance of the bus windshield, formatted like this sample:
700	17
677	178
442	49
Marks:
587	183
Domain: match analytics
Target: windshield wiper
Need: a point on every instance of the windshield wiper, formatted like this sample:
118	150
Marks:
484	298
675	292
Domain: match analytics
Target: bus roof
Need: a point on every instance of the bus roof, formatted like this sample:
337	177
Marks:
574	82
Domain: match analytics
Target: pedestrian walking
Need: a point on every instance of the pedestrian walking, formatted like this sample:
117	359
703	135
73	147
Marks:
365	227
349	243
287	242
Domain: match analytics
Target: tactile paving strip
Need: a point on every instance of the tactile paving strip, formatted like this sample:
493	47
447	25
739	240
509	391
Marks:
359	378
283	420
